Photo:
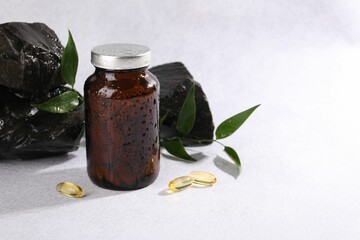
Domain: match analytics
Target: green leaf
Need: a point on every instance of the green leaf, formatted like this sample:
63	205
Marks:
186	119
175	147
233	155
230	125
162	119
69	62
63	103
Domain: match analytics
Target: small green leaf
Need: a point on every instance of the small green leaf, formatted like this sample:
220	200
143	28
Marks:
230	125
63	103
162	119
175	147
186	119
233	155
69	62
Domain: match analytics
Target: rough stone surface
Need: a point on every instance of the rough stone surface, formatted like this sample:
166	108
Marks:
26	132
30	56
175	83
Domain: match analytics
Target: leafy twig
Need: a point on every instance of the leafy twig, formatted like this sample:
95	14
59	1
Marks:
69	100
185	124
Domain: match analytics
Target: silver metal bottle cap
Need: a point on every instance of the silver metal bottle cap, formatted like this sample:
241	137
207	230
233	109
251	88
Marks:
120	56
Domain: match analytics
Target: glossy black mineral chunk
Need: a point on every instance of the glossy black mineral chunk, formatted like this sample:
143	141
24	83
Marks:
26	132
30	56
175	83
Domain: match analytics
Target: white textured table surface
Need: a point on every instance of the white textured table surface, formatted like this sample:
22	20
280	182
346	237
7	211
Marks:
300	150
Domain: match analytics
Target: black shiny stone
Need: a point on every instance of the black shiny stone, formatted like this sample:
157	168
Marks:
30	55
27	133
175	83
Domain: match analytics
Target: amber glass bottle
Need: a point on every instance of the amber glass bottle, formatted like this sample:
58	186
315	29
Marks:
122	118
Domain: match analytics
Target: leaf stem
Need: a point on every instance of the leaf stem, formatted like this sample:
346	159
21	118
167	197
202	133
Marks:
219	143
205	141
200	140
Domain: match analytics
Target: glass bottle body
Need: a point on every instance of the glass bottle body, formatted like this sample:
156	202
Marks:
122	128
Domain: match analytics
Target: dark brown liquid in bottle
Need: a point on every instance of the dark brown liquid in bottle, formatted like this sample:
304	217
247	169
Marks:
122	128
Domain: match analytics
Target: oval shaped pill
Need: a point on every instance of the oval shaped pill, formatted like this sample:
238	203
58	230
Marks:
180	183
203	178
70	190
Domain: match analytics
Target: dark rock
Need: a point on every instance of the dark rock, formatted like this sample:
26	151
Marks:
26	132
30	55
175	83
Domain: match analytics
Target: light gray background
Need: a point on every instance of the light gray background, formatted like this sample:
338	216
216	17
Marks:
300	150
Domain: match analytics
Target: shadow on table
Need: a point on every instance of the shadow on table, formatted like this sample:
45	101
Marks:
227	167
31	184
198	156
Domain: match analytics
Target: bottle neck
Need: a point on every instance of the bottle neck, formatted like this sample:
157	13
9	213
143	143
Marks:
128	73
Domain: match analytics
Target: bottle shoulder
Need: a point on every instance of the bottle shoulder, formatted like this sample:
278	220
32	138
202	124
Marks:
121	85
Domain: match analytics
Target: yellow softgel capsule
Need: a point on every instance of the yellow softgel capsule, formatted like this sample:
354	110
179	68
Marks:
180	183
203	178
70	190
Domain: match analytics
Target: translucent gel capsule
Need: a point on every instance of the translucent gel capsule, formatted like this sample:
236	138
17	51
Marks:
180	183
203	178
70	190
